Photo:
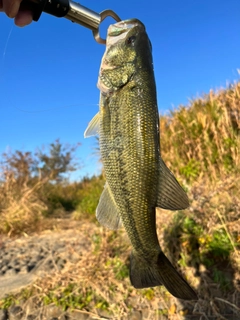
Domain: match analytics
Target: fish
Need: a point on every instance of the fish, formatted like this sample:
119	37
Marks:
137	179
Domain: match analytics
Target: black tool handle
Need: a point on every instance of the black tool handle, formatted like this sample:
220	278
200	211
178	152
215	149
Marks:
57	8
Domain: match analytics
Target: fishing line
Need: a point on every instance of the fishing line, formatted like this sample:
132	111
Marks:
5	48
9	35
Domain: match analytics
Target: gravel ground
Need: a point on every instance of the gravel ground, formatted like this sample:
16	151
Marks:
25	259
52	251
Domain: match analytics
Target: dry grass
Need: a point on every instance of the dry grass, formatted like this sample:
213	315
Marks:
20	206
204	139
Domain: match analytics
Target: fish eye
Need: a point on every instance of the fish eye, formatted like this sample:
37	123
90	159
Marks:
131	40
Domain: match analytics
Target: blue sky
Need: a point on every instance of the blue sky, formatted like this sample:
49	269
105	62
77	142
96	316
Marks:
49	69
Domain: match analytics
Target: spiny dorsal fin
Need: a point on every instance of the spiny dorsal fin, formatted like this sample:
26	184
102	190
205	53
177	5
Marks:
171	195
107	212
93	127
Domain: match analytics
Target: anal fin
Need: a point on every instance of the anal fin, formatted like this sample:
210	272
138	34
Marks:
171	195
107	212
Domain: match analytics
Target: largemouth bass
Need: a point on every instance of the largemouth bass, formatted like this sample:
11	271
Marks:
138	180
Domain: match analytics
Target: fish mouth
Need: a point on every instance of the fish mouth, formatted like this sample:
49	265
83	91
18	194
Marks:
118	30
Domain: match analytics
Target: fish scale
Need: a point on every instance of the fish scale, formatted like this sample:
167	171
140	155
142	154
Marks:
137	179
132	191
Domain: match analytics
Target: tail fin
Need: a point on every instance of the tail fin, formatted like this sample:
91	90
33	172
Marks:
143	275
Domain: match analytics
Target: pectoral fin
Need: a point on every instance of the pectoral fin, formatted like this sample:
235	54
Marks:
107	212
170	194
93	127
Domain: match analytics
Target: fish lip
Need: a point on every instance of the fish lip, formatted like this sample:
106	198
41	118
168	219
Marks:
123	26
